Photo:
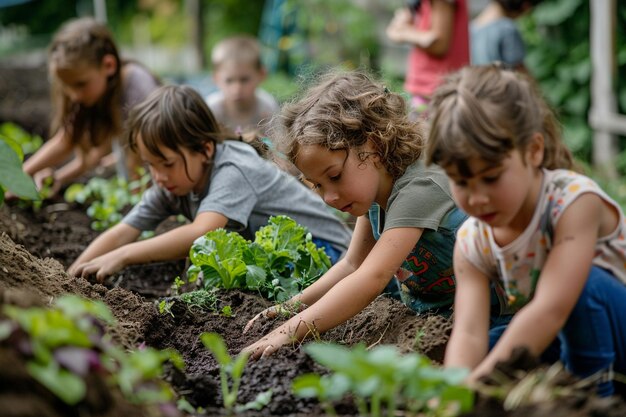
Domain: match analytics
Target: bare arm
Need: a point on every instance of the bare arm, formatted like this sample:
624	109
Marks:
348	296
468	343
82	163
361	244
174	244
114	238
436	41
560	284
55	151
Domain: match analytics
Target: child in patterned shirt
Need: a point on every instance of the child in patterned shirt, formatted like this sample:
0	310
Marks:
549	239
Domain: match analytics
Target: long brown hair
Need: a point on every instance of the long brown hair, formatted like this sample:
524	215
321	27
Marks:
487	112
85	41
345	110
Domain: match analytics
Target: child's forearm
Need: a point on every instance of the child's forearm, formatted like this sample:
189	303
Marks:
320	287
523	331
168	246
70	171
54	152
465	350
116	237
346	299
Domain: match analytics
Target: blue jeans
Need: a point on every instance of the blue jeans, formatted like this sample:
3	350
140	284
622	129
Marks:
333	253
593	339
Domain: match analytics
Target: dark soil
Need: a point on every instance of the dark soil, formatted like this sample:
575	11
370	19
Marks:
36	247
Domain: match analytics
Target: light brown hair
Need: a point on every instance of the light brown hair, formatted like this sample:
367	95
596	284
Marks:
242	49
345	110
487	112
85	41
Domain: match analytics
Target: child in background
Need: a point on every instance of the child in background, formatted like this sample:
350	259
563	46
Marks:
215	183
353	141
494	36
238	71
437	30
549	238
92	91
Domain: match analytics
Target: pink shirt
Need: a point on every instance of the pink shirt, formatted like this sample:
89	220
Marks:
425	72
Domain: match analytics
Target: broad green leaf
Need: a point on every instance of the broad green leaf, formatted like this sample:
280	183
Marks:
239	365
65	385
11	175
215	344
260	402
75	306
333	356
255	276
308	386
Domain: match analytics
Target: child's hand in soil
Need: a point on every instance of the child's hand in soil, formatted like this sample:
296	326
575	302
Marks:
46	183
284	310
268	344
102	266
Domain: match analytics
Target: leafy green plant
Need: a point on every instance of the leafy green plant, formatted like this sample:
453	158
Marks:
107	198
232	368
280	262
65	343
27	142
12	178
382	379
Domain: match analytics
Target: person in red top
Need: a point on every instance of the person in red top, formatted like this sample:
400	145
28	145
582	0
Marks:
438	32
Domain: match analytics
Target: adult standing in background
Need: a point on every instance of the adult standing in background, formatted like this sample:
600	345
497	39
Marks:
495	36
437	30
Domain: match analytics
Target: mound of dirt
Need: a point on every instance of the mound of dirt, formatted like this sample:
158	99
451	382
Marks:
36	247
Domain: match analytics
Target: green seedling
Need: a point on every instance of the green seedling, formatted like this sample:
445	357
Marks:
108	198
165	307
227	311
63	344
384	382
232	368
280	262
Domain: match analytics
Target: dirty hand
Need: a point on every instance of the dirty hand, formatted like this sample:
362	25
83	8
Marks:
102	267
286	310
46	183
268	344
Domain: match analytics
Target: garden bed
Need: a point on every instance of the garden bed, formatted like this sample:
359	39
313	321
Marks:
36	247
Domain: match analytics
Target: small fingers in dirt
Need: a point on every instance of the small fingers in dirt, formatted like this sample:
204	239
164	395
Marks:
268	313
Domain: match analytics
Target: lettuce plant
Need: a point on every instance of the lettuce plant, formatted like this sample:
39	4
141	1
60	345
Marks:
382	379
280	262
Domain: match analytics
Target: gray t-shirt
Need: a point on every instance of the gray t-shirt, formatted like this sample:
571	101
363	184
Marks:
247	189
137	84
421	198
499	40
264	108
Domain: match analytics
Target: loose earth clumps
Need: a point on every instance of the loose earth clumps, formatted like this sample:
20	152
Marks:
36	247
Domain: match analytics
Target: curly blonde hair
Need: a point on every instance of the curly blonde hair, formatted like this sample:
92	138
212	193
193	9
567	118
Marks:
344	110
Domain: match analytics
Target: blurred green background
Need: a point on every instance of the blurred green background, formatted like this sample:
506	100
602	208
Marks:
299	38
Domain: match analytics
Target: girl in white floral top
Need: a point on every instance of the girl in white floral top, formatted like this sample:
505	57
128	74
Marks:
549	239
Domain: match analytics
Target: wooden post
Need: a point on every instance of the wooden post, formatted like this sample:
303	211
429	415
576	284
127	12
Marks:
603	103
196	14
